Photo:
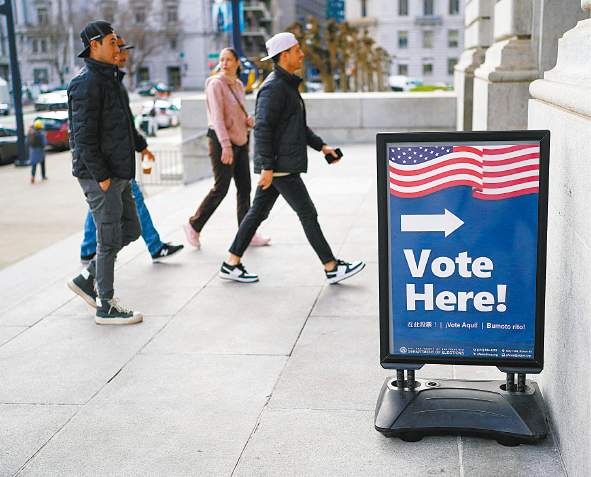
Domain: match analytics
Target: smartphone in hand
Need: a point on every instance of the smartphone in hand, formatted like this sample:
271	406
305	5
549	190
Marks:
330	158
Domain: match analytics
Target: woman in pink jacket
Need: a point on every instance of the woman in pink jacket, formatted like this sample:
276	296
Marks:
228	133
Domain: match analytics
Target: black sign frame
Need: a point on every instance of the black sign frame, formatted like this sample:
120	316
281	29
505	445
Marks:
397	361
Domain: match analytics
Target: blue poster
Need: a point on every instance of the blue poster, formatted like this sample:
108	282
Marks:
463	222
221	14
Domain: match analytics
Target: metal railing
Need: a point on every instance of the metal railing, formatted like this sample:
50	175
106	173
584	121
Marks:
167	169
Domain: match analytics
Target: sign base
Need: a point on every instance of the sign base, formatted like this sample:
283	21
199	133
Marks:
453	406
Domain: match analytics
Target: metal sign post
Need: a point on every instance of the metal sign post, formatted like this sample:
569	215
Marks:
462	242
6	10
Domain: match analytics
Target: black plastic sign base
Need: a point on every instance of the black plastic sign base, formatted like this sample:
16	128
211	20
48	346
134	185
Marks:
452	406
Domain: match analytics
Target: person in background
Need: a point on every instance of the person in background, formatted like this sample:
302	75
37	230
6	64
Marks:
280	157
151	119
158	249
228	134
36	140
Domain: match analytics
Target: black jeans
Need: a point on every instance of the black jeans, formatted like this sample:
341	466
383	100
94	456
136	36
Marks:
223	174
294	191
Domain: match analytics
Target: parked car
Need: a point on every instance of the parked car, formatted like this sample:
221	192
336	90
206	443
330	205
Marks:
55	125
402	83
150	88
8	146
54	101
4	109
167	114
313	86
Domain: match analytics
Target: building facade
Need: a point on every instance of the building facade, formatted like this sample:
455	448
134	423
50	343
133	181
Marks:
289	11
423	37
175	40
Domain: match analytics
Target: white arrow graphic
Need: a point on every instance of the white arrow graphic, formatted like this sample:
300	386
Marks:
446	222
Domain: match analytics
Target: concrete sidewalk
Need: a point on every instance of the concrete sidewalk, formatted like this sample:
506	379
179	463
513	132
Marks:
275	378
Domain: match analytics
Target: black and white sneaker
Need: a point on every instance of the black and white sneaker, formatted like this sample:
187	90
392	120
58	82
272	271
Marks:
166	251
343	270
237	273
85	286
85	259
110	312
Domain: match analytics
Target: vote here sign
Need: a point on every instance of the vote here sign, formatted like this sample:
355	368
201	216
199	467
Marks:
462	227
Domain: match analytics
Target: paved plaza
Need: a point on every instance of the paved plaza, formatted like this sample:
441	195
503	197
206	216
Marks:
275	378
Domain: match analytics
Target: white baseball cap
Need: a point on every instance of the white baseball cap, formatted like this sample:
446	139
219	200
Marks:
279	43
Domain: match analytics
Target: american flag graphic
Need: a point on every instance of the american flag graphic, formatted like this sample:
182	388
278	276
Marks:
494	172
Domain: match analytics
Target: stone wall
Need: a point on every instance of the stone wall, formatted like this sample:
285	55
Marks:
338	118
562	104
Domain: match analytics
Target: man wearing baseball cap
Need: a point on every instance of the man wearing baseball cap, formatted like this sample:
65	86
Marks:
280	156
103	141
158	249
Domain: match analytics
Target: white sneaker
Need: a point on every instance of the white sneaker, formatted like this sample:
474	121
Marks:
343	270
237	273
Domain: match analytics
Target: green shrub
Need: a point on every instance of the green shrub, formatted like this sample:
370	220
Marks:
425	87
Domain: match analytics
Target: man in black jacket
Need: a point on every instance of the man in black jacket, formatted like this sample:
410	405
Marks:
103	141
281	140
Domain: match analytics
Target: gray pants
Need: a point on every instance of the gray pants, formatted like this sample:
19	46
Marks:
117	225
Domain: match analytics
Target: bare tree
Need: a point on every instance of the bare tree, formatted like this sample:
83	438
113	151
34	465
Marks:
345	47
315	50
55	44
52	41
141	23
383	62
342	49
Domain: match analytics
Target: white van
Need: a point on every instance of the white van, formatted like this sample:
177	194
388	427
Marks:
403	83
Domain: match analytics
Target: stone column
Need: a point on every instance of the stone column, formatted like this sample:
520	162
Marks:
477	38
562	104
501	84
550	19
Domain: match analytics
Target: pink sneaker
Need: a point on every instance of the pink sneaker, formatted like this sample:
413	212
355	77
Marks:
259	240
192	235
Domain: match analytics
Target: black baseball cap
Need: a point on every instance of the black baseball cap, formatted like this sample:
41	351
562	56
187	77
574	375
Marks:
123	46
94	31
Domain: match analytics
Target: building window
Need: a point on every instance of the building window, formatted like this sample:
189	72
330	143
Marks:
402	69
43	46
40	76
428	39
143	74
451	63
174	76
403	8
140	16
452	38
363	8
402	39
429	9
428	69
34	46
42	16
173	43
172	15
454	7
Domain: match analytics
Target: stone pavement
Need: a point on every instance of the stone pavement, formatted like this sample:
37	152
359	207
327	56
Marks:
276	378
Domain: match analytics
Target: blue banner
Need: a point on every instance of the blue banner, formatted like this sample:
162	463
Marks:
221	14
463	223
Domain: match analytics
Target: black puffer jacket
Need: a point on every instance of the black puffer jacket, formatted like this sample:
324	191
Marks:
280	131
103	138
